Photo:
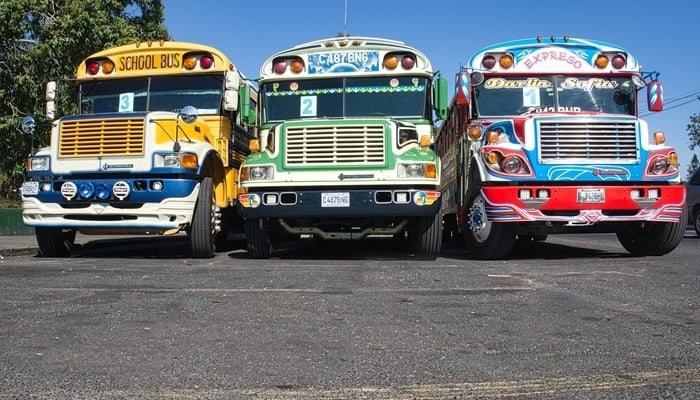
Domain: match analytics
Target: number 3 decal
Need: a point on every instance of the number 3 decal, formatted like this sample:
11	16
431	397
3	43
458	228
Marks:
308	106
126	102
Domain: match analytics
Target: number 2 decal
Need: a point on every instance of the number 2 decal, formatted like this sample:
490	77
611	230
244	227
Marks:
308	106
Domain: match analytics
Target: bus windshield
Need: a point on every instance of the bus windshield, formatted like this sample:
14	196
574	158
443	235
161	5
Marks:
518	95
400	97
170	93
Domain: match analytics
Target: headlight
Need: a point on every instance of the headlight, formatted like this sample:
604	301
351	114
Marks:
176	160
419	170
415	170
660	166
511	165
39	164
257	173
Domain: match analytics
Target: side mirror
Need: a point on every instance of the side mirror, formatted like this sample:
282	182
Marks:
28	125
188	114
231	98
655	98
477	77
441	98
50	98
244	105
232	80
462	94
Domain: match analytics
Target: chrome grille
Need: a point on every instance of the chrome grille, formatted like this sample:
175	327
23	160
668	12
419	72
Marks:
589	140
335	145
101	137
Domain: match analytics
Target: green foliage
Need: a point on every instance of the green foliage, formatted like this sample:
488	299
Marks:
45	40
694	131
694	164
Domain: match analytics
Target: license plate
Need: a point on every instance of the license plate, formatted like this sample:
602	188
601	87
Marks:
341	199
30	188
588	196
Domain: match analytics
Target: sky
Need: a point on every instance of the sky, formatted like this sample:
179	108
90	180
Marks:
662	35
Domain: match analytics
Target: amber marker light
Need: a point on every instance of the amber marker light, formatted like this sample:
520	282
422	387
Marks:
673	158
430	170
391	62
188	160
190	62
492	137
493	157
254	145
506	61
424	141
107	66
474	132
601	61
297	65
659	137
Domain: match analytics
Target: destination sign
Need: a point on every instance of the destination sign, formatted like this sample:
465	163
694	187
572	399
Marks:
343	61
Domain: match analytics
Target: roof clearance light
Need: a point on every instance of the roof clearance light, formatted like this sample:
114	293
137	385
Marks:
601	61
391	62
107	66
659	137
505	61
93	68
190	62
488	62
279	66
206	61
619	61
408	62
297	65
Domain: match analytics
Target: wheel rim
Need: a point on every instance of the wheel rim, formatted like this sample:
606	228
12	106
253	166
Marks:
477	220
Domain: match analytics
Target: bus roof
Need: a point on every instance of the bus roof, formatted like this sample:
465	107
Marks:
347	44
153	58
554	54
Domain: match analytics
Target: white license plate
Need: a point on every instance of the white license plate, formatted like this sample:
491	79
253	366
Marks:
341	199
30	188
588	196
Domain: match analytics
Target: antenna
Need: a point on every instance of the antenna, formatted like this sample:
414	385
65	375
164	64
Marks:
345	19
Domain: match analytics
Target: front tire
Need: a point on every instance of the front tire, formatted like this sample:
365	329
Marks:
486	240
653	238
257	233
425	236
204	227
54	242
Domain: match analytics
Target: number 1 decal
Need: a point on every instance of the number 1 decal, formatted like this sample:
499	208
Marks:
531	97
308	106
126	102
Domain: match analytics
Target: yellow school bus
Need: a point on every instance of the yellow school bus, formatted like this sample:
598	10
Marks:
154	148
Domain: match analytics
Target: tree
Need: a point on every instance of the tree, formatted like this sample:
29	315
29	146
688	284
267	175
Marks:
694	137
45	40
694	164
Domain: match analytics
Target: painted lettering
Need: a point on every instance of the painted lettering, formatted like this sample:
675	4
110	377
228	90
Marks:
588	84
149	61
502	83
170	60
552	56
